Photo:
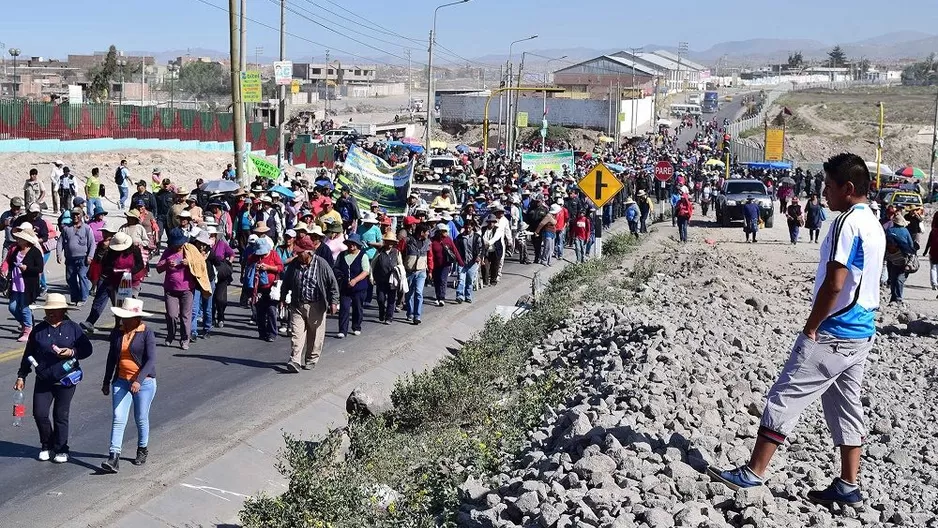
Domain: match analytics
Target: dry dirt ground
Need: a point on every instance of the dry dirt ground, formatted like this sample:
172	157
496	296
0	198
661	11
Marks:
826	122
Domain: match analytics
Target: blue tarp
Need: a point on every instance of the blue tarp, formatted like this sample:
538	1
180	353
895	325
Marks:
769	164
413	148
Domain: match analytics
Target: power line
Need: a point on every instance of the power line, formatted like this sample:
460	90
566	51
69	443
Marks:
348	28
298	37
375	26
381	29
327	28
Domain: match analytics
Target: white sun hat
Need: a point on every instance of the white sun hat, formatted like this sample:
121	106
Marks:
130	308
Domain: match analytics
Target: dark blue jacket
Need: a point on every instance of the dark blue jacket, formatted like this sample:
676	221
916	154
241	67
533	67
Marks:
142	350
67	335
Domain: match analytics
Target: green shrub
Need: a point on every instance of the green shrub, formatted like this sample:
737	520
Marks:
468	415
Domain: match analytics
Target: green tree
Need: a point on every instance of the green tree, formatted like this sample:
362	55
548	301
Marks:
922	73
795	61
836	57
102	75
202	79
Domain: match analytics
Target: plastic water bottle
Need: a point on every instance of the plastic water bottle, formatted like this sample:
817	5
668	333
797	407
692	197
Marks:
19	408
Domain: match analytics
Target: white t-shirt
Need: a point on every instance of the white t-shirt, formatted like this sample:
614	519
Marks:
857	241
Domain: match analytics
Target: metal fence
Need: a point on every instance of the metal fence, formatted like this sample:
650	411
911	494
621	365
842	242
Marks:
748	151
21	119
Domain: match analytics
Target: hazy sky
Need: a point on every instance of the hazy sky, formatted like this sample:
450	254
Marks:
52	28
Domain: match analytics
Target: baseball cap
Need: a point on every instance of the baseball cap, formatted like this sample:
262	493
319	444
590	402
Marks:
35	208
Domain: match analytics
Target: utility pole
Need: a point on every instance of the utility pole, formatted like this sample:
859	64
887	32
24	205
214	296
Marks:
326	103
879	142
430	94
282	110
242	57
237	107
934	153
681	51
501	82
410	85
513	132
634	120
143	81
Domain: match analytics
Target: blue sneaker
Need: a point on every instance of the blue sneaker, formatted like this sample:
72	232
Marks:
741	477
838	492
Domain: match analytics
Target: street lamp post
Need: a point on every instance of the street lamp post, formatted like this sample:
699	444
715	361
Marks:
544	117
509	118
546	81
120	98
430	93
172	85
15	52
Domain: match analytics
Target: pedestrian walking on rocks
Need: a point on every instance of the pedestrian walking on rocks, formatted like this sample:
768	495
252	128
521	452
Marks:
683	212
751	217
900	249
931	251
310	290
130	380
828	358
814	218
795	217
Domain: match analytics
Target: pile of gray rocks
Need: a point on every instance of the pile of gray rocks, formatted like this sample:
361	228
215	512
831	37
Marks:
674	380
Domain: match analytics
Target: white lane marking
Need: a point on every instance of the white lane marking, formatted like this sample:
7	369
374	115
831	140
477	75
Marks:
210	490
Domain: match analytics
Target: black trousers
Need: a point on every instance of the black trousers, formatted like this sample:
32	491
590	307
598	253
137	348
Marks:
266	314
350	304
537	240
220	302
387	299
53	434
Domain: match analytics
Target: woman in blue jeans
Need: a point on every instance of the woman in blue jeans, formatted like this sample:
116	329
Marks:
130	379
24	266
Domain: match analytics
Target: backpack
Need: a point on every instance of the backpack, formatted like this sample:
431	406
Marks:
683	209
119	176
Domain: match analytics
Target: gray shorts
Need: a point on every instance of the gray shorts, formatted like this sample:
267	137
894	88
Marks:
831	369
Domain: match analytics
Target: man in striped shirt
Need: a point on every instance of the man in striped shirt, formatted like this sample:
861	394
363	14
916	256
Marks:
828	358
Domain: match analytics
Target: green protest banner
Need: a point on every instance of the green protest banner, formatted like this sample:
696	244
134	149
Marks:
263	167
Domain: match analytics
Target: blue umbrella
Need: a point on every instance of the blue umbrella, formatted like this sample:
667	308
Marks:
220	186
462	149
283	191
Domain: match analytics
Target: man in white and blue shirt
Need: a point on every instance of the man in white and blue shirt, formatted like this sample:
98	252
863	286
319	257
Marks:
828	358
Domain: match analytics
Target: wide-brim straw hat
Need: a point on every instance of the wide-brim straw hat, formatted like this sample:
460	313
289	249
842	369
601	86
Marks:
54	301
390	237
120	242
130	308
27	236
260	227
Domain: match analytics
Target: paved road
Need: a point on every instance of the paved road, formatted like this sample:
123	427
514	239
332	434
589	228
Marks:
209	398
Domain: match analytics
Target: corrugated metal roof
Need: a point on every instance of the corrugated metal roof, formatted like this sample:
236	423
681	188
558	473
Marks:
684	60
607	64
639	67
651	59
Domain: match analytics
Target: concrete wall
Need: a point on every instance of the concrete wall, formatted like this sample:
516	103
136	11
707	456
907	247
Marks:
644	109
465	109
381	90
55	146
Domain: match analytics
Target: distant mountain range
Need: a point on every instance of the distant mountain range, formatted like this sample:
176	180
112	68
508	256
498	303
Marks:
893	46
